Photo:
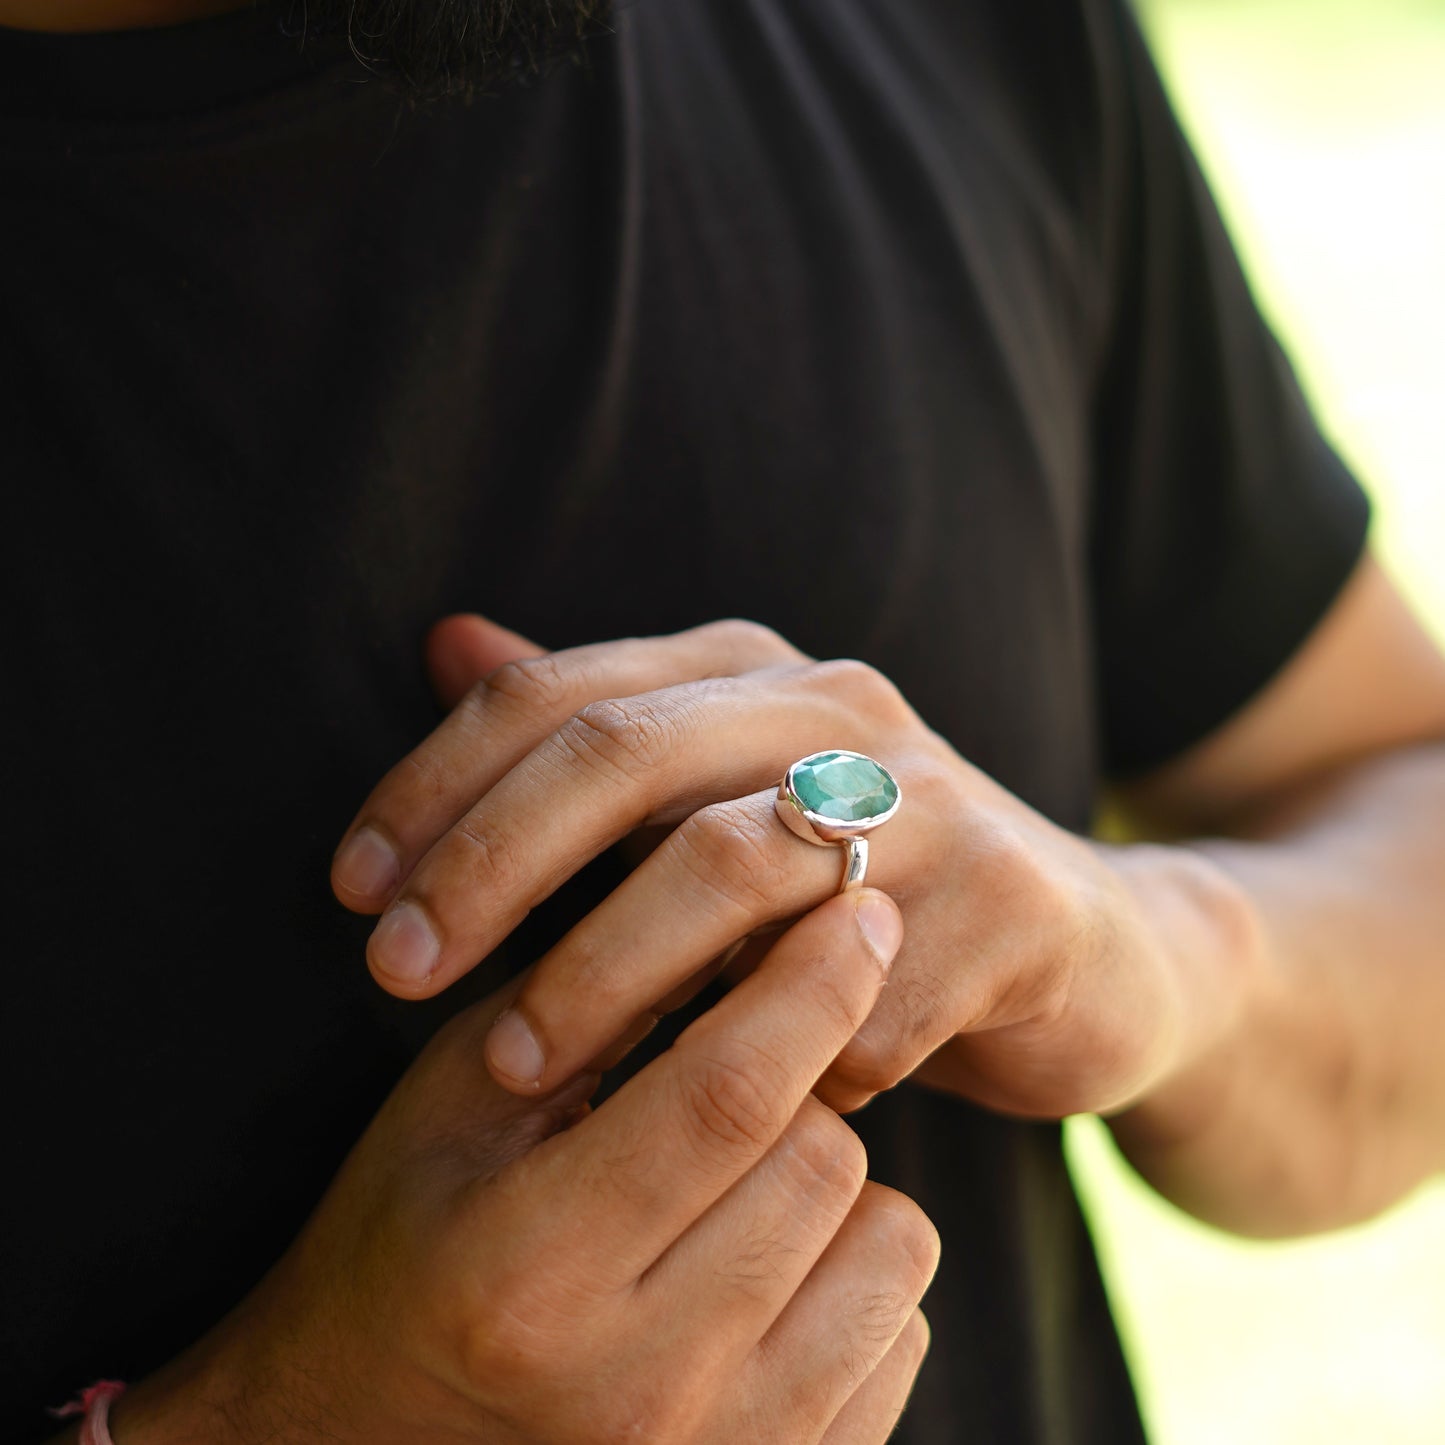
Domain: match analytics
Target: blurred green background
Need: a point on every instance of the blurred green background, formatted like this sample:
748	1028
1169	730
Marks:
1322	126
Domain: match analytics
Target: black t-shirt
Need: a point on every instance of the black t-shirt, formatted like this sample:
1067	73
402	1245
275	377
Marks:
905	327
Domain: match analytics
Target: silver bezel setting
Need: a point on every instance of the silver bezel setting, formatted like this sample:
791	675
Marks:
815	827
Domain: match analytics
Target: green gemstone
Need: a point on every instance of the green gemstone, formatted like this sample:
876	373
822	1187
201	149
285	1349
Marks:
844	786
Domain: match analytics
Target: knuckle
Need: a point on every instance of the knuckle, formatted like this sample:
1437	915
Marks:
829	1159
495	856
876	1320
422	772
470	713
731	1102
751	639
724	848
1007	870
622	736
537	687
909	1236
864	687
516	1334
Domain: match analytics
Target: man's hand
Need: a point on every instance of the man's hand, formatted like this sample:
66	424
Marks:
1258	1012
697	1260
1042	975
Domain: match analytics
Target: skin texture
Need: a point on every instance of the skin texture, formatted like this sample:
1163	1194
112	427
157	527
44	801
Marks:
1254	1012
698	1261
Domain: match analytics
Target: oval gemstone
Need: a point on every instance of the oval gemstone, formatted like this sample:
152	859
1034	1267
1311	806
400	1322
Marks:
844	786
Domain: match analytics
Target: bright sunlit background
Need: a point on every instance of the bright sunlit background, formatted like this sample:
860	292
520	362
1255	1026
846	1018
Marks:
1322	125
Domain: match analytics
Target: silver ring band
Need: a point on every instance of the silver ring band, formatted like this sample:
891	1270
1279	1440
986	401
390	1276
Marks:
855	864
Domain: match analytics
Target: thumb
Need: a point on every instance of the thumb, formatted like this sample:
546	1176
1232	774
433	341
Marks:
464	648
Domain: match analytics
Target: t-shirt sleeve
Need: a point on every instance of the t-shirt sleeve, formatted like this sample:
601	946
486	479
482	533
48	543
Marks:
1223	523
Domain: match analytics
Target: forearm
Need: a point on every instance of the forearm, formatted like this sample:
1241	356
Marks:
1321	1099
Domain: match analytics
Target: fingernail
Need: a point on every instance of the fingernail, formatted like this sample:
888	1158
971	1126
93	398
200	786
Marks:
881	926
512	1049
404	945
367	865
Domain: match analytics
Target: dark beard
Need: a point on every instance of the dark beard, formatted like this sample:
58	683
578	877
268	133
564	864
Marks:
434	48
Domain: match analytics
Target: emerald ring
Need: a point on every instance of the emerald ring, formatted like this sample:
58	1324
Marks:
836	798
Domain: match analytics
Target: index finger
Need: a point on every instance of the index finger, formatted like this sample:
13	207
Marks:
632	1177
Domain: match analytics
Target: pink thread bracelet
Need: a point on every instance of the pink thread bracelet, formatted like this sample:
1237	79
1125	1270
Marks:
94	1404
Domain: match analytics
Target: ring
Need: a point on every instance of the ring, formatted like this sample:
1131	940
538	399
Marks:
836	797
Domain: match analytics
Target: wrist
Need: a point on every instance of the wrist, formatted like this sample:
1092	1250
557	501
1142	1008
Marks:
1207	938
195	1397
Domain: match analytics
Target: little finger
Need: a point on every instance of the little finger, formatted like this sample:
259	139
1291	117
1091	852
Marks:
736	1269
844	1319
873	1409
